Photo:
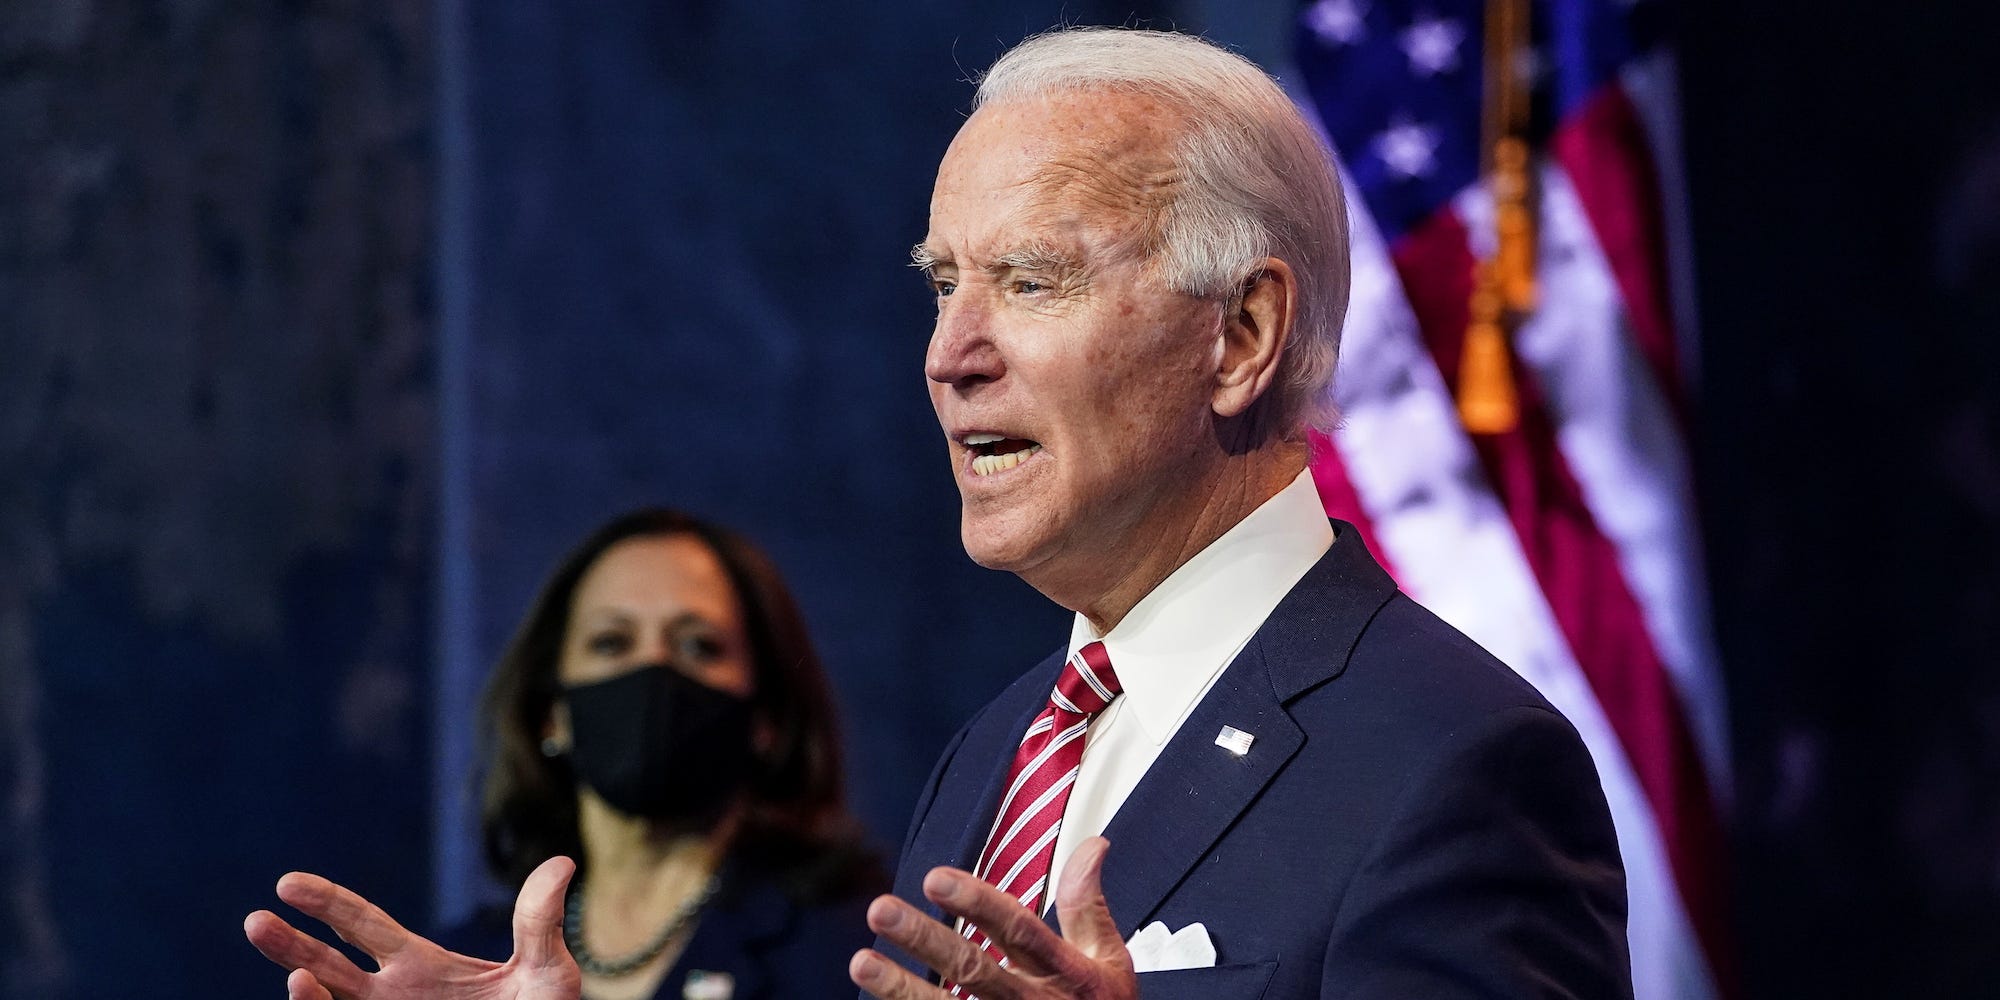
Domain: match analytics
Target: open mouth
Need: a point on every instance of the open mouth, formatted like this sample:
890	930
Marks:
992	453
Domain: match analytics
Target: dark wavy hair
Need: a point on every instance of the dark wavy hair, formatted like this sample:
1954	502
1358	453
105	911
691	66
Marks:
796	824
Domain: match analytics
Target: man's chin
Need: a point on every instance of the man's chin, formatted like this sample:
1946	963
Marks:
992	556
997	547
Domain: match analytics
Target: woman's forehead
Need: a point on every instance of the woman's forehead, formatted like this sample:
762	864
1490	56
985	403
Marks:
653	573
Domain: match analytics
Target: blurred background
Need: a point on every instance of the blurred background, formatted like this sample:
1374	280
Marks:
326	327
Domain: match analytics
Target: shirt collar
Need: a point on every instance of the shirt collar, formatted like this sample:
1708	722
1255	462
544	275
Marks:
1177	639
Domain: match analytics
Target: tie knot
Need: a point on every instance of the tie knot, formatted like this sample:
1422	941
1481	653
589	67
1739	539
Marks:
1086	683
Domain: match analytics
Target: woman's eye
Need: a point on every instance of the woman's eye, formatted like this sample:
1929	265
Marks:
696	648
608	643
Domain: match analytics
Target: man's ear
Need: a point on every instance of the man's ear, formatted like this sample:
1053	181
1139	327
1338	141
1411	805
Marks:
1253	337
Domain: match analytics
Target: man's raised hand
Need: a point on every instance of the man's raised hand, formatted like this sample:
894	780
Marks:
1087	962
411	967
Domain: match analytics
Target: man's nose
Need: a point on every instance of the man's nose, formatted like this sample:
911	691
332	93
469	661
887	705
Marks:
962	351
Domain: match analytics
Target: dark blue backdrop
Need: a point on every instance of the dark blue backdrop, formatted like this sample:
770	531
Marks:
325	328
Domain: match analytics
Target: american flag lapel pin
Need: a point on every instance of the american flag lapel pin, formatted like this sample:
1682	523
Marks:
1234	740
705	985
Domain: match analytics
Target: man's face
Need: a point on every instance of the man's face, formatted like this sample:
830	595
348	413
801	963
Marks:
1072	384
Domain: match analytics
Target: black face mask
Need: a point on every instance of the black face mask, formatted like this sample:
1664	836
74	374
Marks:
653	743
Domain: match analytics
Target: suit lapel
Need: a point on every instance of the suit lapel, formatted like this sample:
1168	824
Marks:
1310	635
955	827
1196	789
951	830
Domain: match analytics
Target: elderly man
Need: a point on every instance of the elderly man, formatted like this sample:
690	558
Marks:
1313	787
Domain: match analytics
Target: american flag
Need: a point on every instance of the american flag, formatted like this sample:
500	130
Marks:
1567	545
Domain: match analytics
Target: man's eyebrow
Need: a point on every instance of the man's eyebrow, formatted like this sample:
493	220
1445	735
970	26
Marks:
1034	257
923	258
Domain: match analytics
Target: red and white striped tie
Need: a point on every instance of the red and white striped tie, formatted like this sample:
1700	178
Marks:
1022	843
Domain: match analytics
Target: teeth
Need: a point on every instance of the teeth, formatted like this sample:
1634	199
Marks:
982	438
986	465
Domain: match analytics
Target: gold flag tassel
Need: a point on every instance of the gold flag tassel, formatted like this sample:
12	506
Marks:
1503	288
1487	400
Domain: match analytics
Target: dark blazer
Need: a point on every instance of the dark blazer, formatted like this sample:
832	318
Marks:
773	946
1412	820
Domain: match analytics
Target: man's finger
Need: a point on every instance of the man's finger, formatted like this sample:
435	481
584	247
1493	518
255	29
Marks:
301	985
1030	946
538	915
947	952
357	921
1081	909
292	949
886	980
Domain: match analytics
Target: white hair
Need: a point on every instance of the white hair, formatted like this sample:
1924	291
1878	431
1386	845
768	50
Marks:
1257	181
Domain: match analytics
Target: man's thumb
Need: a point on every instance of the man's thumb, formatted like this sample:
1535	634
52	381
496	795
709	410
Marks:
538	914
1081	910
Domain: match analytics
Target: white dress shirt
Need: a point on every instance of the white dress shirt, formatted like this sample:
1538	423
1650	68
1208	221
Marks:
1168	651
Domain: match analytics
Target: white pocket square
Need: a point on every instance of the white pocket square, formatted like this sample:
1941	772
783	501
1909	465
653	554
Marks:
1155	950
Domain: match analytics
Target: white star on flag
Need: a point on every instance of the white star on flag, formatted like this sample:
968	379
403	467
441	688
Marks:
1408	149
1338	22
1432	46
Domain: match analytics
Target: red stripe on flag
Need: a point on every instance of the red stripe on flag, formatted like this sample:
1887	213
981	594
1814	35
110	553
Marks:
1337	495
1603	148
1578	571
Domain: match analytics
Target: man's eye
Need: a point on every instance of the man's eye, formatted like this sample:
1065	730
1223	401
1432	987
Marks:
943	288
608	644
1028	287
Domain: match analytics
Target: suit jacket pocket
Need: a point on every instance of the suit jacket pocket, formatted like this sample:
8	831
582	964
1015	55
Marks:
1241	981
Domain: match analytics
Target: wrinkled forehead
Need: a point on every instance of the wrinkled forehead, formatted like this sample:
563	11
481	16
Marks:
1083	160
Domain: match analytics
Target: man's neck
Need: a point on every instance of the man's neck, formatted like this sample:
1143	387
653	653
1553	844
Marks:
1150	554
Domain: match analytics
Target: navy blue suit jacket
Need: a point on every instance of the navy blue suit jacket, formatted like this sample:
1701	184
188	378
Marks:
1412	820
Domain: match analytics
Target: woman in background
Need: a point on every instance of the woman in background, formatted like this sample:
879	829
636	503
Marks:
662	718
